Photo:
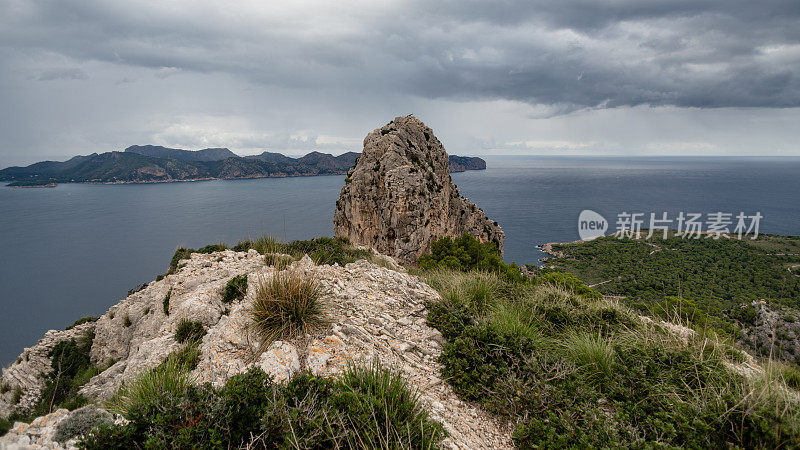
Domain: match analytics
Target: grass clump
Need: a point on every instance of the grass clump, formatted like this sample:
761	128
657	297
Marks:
368	407
165	302
188	355
83	320
573	370
235	289
189	331
287	305
168	380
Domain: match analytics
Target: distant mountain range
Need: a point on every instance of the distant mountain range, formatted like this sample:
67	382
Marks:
153	163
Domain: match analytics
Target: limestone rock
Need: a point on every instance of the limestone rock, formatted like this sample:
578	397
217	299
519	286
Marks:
399	197
374	314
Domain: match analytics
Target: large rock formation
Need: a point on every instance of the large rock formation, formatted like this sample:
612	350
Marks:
399	197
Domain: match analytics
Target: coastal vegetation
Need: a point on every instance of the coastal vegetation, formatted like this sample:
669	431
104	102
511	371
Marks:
571	369
709	284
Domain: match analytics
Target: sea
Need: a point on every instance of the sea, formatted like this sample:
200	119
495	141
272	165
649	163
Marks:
76	249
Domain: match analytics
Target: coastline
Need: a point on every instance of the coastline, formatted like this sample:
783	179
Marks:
252	177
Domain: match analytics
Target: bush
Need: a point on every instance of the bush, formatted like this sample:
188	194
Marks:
287	305
165	302
189	331
16	395
568	282
72	368
467	253
83	320
80	422
572	371
383	409
367	408
188	355
212	248
180	254
235	289
327	250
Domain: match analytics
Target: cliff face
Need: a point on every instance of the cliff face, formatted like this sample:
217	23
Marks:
399	197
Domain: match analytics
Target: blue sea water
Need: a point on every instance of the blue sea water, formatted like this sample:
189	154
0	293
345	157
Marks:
76	249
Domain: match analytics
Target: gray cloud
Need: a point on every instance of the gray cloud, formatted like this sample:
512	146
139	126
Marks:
575	54
570	76
62	74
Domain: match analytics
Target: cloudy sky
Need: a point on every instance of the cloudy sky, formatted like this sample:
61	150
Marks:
615	77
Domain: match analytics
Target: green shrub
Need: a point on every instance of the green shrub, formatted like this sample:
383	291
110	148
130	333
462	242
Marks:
83	320
126	321
81	422
467	253
235	289
382	408
189	331
287	305
5	425
568	282
325	250
165	302
170	378
573	371
16	396
368	408
4	387
212	248
188	355
180	254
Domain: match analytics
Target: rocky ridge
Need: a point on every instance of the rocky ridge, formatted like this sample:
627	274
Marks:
399	197
375	312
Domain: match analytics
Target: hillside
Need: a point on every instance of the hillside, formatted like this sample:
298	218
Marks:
150	163
435	358
748	289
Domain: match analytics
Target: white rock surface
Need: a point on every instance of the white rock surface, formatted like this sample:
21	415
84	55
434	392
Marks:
375	314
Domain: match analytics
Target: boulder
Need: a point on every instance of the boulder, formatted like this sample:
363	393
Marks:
399	197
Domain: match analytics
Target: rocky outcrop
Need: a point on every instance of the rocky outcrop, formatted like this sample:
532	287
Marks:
57	430
375	313
399	197
463	163
769	330
25	374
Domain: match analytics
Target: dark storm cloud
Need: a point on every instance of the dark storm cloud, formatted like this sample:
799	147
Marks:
566	54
